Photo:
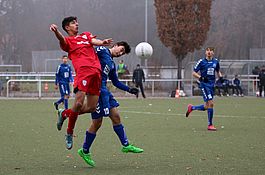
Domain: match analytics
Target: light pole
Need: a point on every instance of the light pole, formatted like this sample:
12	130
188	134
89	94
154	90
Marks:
145	26
145	29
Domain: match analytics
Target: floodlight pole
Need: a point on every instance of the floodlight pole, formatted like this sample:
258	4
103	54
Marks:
145	29
145	26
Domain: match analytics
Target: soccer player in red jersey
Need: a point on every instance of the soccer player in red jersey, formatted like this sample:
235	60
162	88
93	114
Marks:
87	82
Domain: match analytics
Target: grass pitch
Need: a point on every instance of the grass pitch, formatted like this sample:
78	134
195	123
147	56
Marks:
173	144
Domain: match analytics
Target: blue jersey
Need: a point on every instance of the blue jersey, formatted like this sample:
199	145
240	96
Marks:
236	82
63	74
207	68
106	100
108	68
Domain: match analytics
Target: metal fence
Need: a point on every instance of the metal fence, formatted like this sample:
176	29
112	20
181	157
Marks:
42	86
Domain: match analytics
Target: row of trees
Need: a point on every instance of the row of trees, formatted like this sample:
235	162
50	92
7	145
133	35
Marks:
233	26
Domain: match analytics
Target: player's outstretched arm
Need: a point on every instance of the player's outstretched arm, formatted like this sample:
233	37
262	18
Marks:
58	34
105	42
196	75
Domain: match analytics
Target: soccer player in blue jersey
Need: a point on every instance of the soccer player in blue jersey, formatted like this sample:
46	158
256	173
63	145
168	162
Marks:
63	77
205	70
107	105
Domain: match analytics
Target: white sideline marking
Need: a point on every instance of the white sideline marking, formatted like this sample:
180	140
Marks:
167	114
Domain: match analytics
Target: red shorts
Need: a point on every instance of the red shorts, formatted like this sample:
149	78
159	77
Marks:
88	79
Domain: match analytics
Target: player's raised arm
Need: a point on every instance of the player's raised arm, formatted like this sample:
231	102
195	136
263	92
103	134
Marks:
58	34
105	42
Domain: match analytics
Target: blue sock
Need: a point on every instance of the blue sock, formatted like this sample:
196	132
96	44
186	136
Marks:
119	130
199	108
210	116
66	103
60	100
88	141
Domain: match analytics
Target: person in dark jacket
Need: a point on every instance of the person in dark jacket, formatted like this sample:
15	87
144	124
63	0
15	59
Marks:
262	81
237	87
138	79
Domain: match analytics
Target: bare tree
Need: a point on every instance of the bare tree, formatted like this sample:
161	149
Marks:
183	25
10	11
237	26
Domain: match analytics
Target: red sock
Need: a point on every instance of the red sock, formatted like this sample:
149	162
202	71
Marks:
72	117
66	113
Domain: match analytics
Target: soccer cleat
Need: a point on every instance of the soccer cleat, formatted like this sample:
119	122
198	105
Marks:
189	110
69	141
131	148
55	105
86	157
60	119
211	128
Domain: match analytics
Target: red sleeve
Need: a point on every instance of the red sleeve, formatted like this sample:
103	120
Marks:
90	36
65	47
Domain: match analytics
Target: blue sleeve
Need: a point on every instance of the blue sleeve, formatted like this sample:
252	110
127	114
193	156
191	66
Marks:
71	79
197	66
217	67
116	82
57	75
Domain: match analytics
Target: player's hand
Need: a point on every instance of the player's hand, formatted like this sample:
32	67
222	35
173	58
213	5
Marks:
107	42
56	87
203	79
133	90
53	28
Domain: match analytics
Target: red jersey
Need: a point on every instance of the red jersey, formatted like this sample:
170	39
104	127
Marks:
81	51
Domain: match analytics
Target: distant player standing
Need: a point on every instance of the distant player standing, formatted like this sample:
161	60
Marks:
63	77
88	71
207	67
107	105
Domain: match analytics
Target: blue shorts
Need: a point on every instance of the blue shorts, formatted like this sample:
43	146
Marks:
106	102
207	91
64	89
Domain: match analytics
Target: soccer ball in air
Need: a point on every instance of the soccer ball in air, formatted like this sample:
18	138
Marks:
144	50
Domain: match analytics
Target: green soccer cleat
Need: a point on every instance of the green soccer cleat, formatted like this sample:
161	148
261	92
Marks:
60	119
132	149
86	157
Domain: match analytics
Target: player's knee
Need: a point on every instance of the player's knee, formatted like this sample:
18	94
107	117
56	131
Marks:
210	105
79	104
116	120
96	124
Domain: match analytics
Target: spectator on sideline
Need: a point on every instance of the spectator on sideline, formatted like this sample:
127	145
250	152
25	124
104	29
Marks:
121	69
237	86
138	79
262	81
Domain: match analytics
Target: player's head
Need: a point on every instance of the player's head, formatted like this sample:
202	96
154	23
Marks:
65	59
138	66
120	48
70	25
209	52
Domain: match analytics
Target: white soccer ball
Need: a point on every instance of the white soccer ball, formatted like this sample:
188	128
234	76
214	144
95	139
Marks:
144	50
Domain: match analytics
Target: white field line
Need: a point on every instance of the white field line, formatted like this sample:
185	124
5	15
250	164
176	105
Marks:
193	115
